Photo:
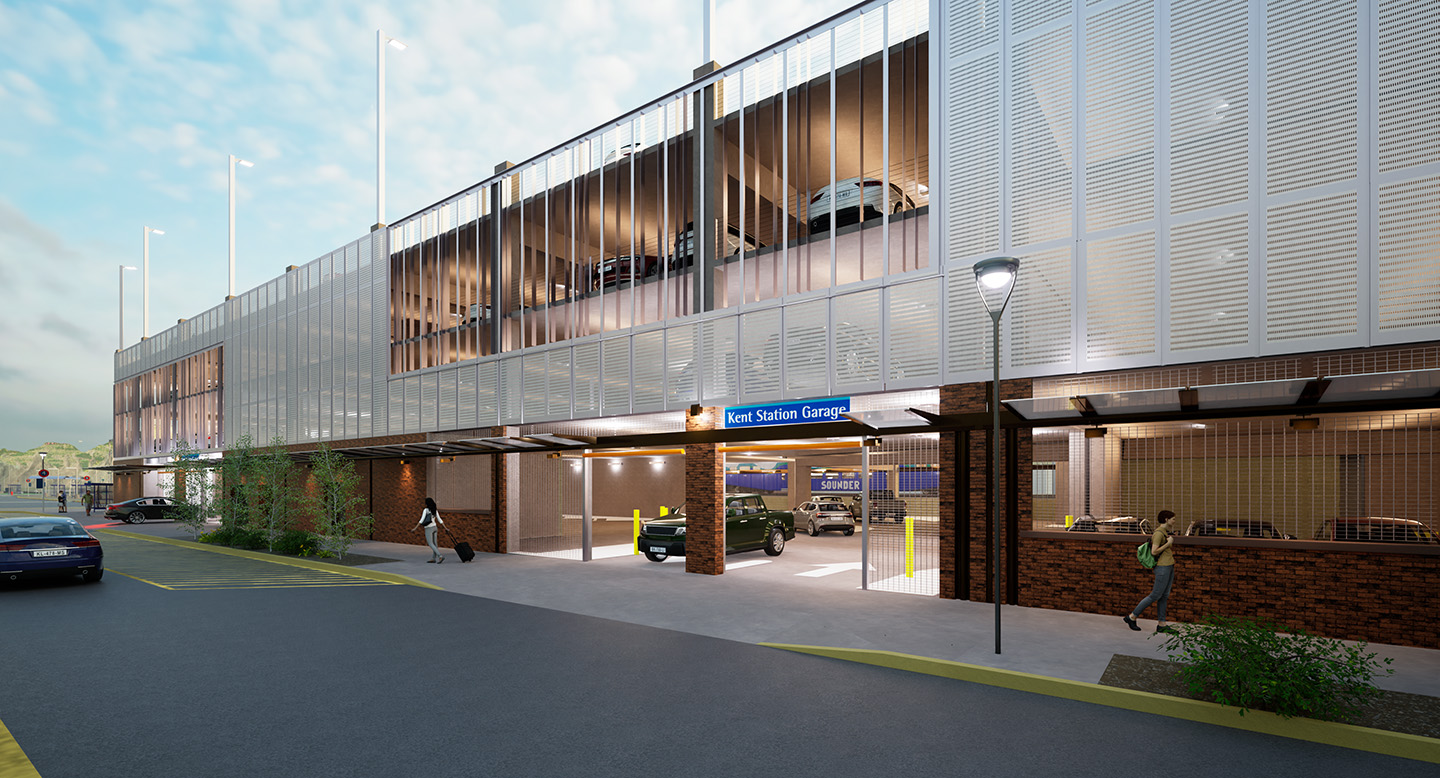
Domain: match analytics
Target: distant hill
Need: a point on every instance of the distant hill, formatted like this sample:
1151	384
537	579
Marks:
61	459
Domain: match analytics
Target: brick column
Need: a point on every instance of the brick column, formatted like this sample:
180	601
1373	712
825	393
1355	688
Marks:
704	500
505	466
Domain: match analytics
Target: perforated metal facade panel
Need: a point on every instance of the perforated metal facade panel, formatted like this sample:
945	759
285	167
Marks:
1310	268
1120	306
913	356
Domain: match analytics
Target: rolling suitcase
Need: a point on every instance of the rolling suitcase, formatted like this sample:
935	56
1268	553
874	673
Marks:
462	548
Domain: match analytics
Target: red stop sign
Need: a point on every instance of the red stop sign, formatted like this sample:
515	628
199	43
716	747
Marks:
44	473
85	478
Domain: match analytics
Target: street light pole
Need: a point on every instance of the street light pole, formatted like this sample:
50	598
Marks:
233	159
145	284
995	280
123	268
381	39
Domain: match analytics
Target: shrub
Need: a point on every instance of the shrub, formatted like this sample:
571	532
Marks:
1257	664
235	536
296	542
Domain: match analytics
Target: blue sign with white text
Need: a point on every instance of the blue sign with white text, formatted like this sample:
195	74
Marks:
799	412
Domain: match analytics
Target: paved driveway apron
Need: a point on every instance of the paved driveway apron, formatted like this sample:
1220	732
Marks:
169	567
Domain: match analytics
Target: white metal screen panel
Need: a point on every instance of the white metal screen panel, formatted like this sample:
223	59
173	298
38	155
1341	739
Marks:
449	400
1310	268
682	364
649	371
760	355
973	162
1042	138
1029	14
615	364
1040	313
466	398
412	404
1409	260
587	379
1120	297
807	349
557	388
1311	93
1210	283
858	340
967	325
1209	103
535	372
487	394
913	353
511	399
429	401
395	411
1119	100
718	357
1409	58
971	25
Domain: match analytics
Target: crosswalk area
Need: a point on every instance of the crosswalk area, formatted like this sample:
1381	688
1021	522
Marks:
185	569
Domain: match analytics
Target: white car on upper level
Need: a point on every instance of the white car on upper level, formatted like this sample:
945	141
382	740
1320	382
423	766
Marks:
854	195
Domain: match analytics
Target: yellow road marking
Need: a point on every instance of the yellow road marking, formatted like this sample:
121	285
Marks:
13	762
136	577
157	565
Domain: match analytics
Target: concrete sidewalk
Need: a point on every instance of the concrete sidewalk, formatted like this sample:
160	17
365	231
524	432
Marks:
1058	644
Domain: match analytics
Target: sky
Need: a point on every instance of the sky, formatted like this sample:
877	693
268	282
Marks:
119	115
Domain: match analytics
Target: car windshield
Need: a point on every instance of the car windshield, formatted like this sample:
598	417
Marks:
40	528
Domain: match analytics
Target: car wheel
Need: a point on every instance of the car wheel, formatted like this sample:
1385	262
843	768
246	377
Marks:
135	517
813	530
654	557
849	531
776	543
91	576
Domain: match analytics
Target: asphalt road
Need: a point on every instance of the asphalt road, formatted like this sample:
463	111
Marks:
124	678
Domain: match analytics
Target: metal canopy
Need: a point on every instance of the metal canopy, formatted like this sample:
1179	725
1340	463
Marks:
888	419
1406	384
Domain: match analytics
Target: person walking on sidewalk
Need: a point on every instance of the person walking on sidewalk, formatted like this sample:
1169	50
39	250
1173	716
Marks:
1161	544
430	520
88	501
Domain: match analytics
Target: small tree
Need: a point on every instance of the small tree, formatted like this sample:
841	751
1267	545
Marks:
334	503
275	490
235	490
190	489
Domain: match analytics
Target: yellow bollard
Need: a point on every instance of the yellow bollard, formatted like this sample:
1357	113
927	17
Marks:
1069	521
909	547
637	532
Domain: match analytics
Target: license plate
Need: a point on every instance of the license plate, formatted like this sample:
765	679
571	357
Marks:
658	550
50	552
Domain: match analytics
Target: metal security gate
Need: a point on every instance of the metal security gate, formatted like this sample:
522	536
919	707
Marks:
548	507
902	539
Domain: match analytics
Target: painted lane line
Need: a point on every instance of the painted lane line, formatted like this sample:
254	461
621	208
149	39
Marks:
13	762
831	569
749	563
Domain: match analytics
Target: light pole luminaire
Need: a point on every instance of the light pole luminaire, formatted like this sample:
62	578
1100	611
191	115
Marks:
381	39
145	284
123	268
995	280
233	159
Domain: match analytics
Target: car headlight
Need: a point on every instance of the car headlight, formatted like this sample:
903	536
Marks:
680	530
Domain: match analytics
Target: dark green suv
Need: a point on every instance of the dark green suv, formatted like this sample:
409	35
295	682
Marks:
748	525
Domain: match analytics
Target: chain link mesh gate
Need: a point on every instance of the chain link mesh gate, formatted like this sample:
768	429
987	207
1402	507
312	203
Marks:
904	533
548	507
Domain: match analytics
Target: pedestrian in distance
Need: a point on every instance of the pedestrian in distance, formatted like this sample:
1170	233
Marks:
1161	542
88	500
430	521
61	502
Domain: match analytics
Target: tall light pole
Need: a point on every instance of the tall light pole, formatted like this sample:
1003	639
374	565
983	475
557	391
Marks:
381	39
123	268
995	279
145	284
233	159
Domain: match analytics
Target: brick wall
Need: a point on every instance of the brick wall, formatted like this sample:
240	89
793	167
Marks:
1387	598
704	500
500	492
397	496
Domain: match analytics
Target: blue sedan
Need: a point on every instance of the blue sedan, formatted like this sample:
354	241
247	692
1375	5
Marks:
40	545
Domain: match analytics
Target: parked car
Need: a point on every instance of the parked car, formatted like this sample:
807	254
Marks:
1120	524
1376	529
818	516
684	255
36	545
139	510
748	525
616	270
883	505
1236	528
854	195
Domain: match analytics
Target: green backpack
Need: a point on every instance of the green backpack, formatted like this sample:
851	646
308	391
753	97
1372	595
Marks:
1142	553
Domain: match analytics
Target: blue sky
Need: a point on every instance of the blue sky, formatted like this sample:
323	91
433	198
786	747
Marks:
118	115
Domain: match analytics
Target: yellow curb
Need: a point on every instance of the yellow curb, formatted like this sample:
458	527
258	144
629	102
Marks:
13	762
358	572
1378	741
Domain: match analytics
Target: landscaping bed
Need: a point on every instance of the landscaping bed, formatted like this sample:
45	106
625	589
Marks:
1413	714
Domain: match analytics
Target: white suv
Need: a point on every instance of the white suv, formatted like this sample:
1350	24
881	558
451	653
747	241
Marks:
851	195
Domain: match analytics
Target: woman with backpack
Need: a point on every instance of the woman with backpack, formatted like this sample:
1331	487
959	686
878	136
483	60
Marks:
1160	546
430	520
